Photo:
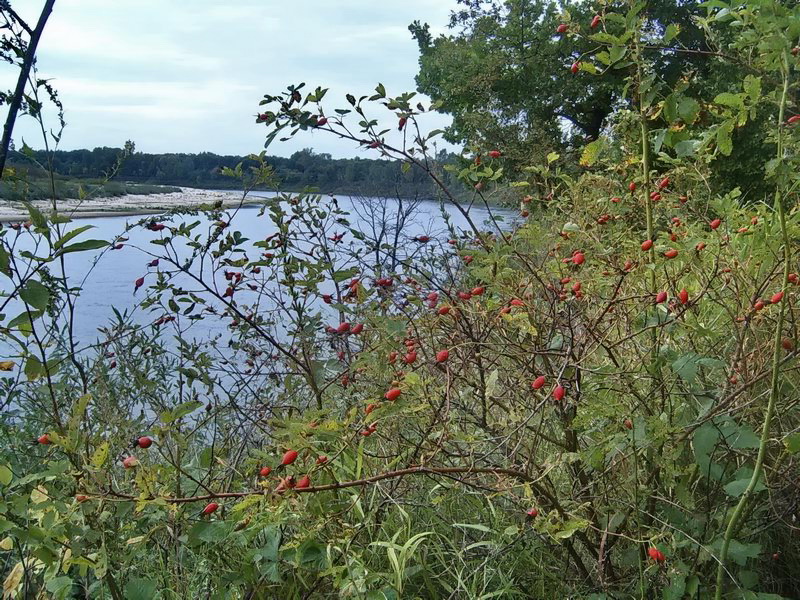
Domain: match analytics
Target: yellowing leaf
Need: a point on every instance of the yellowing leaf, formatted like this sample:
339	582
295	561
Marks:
135	540
39	495
7	365
100	455
6	543
591	152
66	561
570	527
12	581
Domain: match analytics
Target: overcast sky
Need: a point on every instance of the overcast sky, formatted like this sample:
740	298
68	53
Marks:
187	75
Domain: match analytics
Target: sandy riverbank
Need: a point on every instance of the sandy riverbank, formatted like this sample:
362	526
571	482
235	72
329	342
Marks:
121	206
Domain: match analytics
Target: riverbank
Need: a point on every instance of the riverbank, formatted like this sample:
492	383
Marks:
128	205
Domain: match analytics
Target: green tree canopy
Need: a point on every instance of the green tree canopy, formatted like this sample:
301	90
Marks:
504	74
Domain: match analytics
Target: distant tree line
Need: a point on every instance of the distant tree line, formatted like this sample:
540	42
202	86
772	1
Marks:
204	170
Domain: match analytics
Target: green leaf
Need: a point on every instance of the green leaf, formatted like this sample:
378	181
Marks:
688	109
704	442
724	137
752	87
685	148
85	245
37	218
179	411
606	38
739	552
4	261
33	368
311	554
209	532
140	589
792	443
35	294
78	411
676	589
686	366
339	276
272	536
743	476
59	586
591	152
5	475
23	320
670	33
617	53
570	527
70	235
729	100
491	384
671	108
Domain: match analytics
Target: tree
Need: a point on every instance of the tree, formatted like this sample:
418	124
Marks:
19	44
505	75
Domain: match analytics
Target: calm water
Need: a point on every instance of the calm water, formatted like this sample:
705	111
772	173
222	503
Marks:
108	282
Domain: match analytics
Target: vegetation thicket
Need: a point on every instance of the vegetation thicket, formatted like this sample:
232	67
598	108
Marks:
600	402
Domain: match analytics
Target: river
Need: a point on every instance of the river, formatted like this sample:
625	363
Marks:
108	283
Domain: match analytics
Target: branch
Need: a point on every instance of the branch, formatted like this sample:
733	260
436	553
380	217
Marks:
356	483
6	6
19	92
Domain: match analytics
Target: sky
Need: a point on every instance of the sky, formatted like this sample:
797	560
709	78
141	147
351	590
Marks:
187	75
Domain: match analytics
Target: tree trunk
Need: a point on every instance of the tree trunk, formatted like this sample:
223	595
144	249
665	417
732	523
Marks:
19	92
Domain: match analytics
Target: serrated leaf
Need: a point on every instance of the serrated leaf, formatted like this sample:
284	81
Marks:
670	32
570	527
37	218
729	100
591	152
752	87
724	137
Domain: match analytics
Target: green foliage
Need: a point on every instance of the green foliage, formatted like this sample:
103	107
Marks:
504	75
659	450
207	170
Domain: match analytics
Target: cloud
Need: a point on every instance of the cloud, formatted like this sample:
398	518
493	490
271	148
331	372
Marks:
74	41
181	76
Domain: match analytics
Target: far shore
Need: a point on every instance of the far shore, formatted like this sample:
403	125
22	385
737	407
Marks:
131	205
127	206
